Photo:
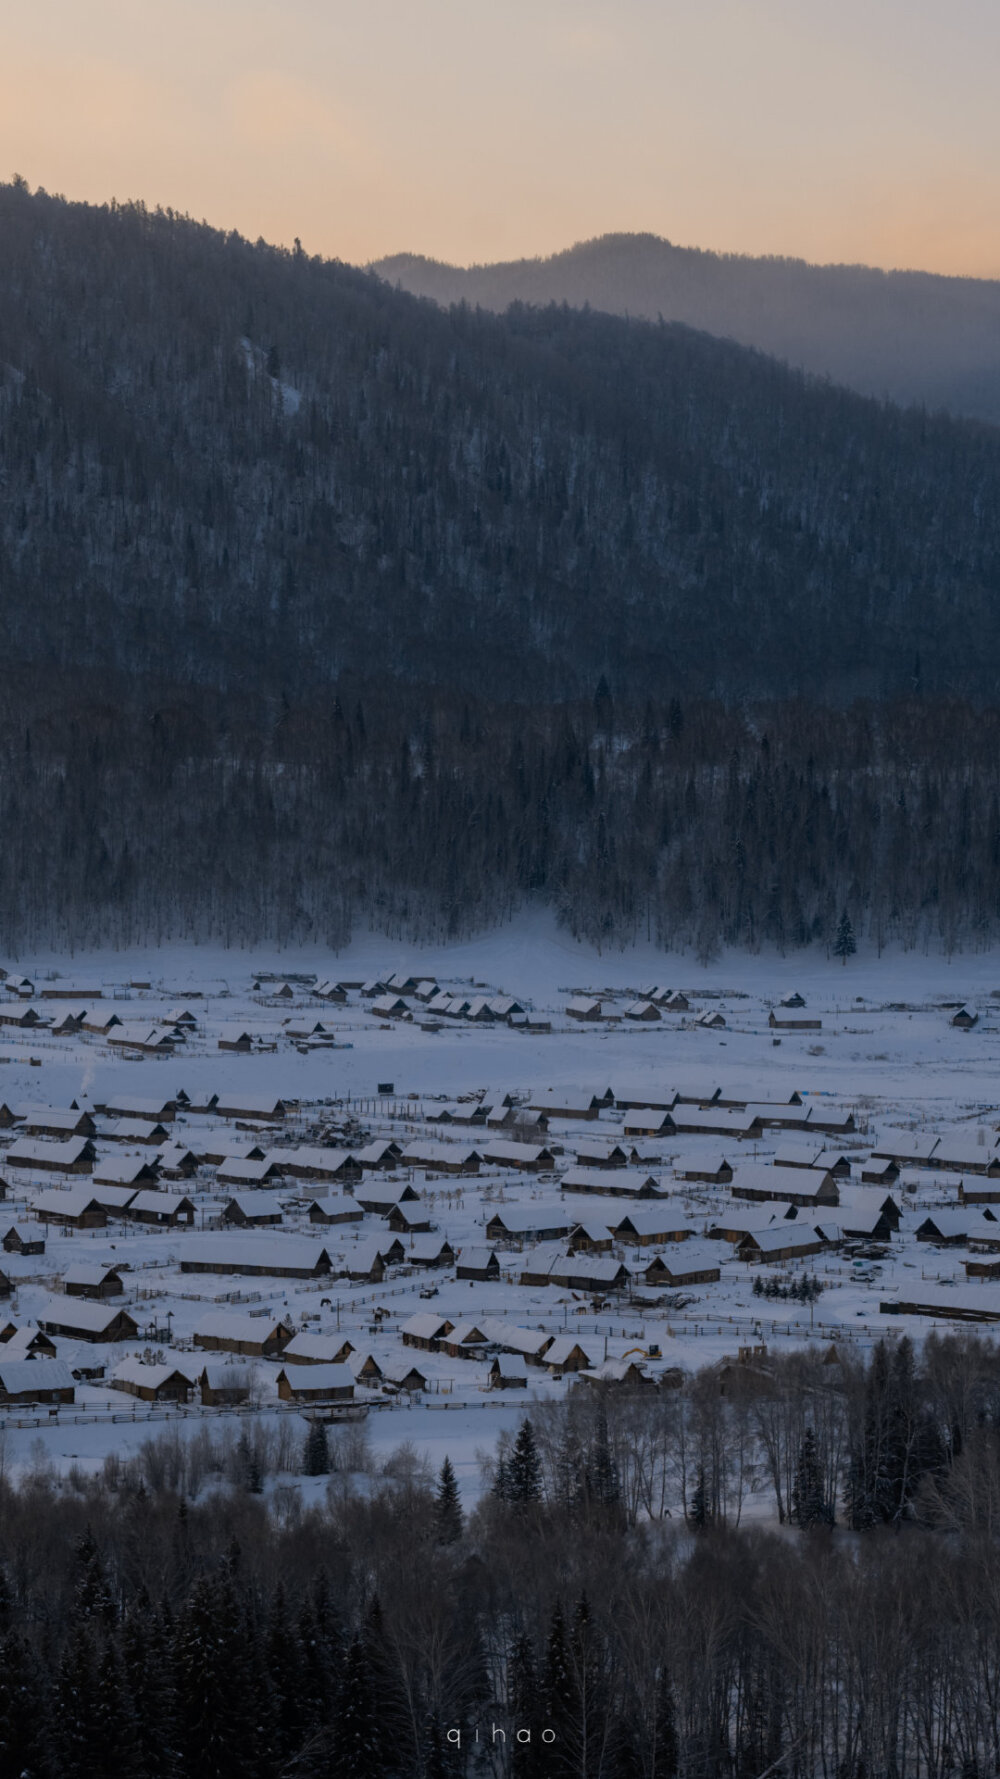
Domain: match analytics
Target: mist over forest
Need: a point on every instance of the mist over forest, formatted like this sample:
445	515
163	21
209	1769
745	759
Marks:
914	337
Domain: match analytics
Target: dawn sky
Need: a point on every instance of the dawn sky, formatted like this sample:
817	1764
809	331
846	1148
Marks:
861	130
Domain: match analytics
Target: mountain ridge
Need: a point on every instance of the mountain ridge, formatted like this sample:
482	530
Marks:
916	337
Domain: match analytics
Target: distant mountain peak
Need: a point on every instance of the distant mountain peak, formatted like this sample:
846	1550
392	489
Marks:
916	337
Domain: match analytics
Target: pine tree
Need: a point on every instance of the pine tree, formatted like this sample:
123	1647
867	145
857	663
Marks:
93	1594
603	1484
524	1470
24	1717
844	945
809	1505
448	1517
356	1750
557	1698
316	1451
526	1759
666	1749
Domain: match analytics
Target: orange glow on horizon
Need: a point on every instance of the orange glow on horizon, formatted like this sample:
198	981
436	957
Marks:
468	133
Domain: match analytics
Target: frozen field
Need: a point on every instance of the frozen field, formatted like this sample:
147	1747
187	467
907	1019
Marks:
886	1060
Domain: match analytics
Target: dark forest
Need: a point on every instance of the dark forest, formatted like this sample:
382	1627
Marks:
185	1614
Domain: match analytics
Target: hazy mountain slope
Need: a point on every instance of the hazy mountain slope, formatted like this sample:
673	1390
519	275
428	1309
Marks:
235	466
911	336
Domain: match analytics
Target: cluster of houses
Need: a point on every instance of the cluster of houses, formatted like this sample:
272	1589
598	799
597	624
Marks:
629	1190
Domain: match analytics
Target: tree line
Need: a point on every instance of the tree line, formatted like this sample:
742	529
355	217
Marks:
558	1630
691	824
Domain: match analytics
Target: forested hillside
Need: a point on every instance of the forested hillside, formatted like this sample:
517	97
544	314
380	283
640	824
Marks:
322	604
229	464
913	336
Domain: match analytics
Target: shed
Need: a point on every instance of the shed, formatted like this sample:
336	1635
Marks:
508	1371
23	1238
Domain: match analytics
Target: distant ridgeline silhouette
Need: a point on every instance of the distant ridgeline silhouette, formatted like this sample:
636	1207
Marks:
320	602
913	337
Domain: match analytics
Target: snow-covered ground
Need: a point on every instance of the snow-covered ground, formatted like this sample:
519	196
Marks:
887	1053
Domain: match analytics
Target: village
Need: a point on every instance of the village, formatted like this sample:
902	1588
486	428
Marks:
341	1196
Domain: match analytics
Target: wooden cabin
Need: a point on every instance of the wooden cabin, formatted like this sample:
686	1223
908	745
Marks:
316	1383
231	1331
685	1263
264	1254
93	1282
425	1330
76	1208
163	1210
329	1211
79	1320
223	1386
151	1383
24	1381
478	1263
74	1156
508	1371
23	1238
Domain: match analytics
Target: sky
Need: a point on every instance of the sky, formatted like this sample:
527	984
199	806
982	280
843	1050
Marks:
861	130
